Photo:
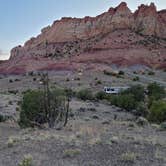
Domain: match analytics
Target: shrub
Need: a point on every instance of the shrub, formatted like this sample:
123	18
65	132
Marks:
69	93
10	102
31	73
27	161
59	91
34	79
136	78
40	107
132	98
32	109
156	91
109	73
121	72
163	125
141	109
98	82
125	101
151	73
71	153
10	81
134	72
137	91
13	91
17	109
16	80
12	141
101	95
157	112
129	157
67	79
2	118
85	94
77	79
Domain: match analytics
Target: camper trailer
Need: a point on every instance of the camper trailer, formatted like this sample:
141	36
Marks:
114	90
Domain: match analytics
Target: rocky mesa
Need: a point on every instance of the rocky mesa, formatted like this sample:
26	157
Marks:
117	36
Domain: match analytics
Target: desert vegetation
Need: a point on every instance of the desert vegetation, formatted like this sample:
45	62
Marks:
44	106
96	121
148	103
82	93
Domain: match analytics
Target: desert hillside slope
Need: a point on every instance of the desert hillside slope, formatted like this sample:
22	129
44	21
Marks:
117	36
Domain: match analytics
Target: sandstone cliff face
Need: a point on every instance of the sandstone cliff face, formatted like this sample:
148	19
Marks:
145	20
70	37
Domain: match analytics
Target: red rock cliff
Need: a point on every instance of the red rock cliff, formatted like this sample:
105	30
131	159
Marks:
70	37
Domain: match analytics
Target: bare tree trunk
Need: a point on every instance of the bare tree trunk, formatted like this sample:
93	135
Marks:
55	112
67	112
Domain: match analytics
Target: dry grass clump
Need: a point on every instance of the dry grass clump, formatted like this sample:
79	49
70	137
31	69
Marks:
27	161
12	141
71	152
129	157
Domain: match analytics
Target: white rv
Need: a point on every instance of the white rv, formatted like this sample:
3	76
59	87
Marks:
115	90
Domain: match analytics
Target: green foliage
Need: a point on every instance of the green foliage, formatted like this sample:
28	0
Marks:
32	109
156	91
58	91
136	78
69	93
27	161
141	109
129	157
71	153
163	125
125	101
98	82
102	95
137	91
38	107
2	118
85	94
130	99
157	112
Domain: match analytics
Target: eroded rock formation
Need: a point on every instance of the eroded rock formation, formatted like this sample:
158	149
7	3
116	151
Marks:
118	34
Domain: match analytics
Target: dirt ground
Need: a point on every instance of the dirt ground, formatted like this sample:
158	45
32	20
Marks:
97	134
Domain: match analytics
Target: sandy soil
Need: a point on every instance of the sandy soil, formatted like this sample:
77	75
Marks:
97	134
92	137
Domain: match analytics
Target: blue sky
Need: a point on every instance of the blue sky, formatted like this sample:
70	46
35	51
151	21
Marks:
22	19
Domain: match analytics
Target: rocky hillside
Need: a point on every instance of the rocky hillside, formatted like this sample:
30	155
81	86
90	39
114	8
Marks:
117	36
